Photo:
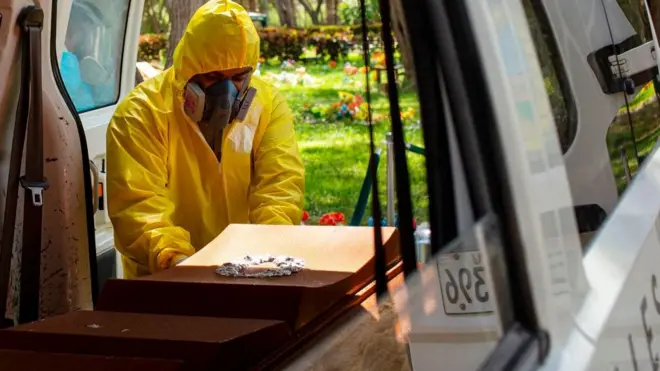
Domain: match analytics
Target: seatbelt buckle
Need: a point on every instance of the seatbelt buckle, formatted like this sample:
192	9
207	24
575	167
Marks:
36	189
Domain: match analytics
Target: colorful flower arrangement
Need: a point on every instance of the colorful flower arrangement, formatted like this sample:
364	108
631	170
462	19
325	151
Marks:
288	64
350	70
348	107
378	59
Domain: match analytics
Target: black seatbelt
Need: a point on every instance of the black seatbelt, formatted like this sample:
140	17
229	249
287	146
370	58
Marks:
20	126
28	120
33	181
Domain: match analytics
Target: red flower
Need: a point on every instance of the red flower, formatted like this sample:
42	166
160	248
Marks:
327	220
333	218
339	217
305	216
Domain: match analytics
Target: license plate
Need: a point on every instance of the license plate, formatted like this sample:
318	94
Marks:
464	284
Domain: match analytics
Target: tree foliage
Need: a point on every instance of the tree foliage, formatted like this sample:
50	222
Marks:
155	17
349	12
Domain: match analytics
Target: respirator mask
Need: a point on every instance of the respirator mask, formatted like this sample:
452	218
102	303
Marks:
216	106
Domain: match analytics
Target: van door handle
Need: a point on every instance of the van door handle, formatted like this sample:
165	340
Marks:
95	185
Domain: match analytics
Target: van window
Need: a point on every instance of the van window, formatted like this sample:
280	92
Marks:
554	74
91	52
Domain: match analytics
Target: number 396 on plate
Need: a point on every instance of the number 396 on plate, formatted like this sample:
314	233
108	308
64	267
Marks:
464	285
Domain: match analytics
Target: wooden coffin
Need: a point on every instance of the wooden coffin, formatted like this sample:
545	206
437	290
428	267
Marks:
197	343
338	263
19	360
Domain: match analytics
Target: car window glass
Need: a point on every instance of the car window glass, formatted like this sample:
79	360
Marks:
91	54
554	74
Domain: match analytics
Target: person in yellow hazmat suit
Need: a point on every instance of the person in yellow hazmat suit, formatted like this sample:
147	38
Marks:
202	145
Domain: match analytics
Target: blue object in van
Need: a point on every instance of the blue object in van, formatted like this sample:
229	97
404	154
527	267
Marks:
79	91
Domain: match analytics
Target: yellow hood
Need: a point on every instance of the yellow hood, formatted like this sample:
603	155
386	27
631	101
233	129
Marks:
219	36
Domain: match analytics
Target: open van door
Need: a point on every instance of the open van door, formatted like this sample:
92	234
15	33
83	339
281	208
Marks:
516	99
87	53
96	45
611	326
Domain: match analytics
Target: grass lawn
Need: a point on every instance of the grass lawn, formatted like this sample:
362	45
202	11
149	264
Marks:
336	154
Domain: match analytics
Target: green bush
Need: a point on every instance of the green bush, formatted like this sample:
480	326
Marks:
282	42
150	46
331	42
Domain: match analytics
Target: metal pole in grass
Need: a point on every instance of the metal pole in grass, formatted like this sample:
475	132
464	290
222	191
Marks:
414	149
390	179
391	187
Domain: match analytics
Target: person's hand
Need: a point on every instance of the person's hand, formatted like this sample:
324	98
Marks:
177	259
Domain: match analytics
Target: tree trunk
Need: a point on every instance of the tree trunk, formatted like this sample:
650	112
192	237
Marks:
291	5
331	11
286	11
247	4
253	5
280	11
180	13
402	38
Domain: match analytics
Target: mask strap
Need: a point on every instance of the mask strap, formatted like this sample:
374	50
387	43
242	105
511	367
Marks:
241	99
245	87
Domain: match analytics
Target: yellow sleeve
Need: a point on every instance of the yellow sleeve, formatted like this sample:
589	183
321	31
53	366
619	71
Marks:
278	184
138	200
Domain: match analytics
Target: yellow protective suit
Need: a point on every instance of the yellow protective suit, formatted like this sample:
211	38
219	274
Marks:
167	194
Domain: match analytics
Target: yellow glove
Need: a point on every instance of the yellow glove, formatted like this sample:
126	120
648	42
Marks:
177	259
168	259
